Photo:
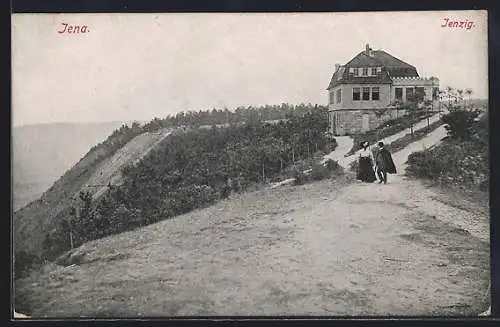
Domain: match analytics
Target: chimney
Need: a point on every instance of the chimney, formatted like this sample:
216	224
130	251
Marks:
337	66
367	49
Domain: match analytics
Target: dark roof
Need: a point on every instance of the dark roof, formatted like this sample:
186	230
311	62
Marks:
391	67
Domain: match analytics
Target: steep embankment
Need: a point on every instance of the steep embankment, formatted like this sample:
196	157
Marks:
99	167
42	153
325	248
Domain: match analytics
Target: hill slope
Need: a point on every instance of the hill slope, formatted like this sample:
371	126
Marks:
161	183
44	152
100	166
325	248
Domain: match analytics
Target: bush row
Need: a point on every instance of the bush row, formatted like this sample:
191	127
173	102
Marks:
462	160
389	128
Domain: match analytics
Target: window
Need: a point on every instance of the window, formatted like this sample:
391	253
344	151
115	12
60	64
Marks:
355	71
399	93
420	93
356	94
366	93
373	71
365	71
339	95
351	70
360	71
379	69
409	93
331	97
375	93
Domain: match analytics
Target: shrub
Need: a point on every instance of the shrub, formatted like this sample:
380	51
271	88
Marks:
299	177
333	166
23	263
354	166
459	123
320	172
425	164
457	163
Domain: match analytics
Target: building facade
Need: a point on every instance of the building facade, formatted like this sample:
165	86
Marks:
368	90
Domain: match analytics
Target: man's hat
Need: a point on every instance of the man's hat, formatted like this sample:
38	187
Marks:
380	144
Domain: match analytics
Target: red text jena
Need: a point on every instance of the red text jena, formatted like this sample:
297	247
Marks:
73	29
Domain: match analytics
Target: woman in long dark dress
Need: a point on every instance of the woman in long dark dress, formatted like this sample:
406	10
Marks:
365	166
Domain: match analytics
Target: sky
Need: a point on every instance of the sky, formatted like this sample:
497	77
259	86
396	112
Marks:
140	66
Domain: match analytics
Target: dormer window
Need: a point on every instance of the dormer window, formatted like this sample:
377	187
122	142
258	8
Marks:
340	73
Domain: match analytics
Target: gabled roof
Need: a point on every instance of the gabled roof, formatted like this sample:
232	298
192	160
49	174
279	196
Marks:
363	60
347	78
391	67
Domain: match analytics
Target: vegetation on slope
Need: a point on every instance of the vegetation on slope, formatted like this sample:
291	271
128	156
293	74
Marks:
462	159
189	170
31	221
192	170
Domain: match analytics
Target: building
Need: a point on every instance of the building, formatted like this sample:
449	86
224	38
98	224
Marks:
369	90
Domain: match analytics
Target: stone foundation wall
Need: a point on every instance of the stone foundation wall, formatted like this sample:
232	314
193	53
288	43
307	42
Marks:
348	122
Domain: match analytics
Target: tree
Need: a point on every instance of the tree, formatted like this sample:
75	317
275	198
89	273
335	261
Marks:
460	95
469	92
379	113
413	105
449	92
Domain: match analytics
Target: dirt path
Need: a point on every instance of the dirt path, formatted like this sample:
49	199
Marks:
345	142
326	248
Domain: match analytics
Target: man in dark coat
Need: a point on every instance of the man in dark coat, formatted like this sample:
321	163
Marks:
384	162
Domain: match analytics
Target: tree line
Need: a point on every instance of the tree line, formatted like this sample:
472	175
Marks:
240	114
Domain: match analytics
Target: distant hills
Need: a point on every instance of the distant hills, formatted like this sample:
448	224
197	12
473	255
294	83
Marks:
42	153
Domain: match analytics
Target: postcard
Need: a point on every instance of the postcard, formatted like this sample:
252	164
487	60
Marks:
250	164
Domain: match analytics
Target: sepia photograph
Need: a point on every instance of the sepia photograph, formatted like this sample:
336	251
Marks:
250	165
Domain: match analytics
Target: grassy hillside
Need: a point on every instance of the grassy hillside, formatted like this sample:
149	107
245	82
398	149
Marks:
187	170
190	170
